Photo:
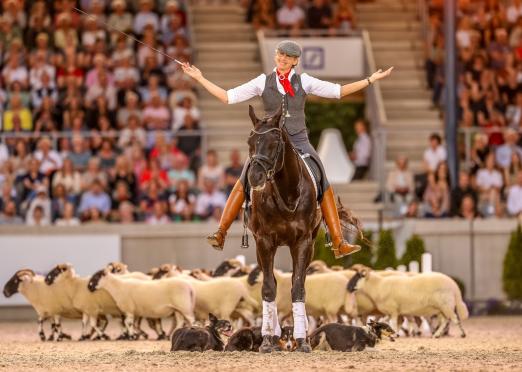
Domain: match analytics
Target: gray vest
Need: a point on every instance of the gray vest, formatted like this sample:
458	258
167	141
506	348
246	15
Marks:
272	100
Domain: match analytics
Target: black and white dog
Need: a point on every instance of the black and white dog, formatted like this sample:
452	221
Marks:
202	338
249	339
340	337
246	339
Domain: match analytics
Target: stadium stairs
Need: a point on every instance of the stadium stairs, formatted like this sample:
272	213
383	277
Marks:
227	53
395	34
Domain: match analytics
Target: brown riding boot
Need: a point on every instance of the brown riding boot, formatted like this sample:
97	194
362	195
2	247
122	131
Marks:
340	247
230	212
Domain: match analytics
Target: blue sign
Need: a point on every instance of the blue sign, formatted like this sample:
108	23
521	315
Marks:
313	58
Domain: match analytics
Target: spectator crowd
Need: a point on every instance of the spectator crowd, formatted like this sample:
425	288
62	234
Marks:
296	15
489	89
97	128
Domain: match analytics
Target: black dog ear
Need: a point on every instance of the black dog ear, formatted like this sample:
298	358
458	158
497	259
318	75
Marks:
252	115
212	318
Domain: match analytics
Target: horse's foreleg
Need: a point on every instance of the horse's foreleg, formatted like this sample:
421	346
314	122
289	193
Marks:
270	327
301	257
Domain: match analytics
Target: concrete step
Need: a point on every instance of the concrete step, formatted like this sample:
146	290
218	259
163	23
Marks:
208	9
400	113
206	18
390	92
364	17
413	123
397	45
237	66
213	56
223	27
377	7
230	36
356	186
228	47
402	84
230	76
383	35
391	26
397	103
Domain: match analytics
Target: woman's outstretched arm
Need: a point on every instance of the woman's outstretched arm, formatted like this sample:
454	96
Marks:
212	88
361	84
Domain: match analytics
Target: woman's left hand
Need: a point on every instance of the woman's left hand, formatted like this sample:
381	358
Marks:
379	74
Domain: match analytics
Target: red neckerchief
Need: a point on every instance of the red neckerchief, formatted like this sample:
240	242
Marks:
283	79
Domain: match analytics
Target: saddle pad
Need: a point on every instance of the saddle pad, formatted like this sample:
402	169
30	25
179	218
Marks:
314	172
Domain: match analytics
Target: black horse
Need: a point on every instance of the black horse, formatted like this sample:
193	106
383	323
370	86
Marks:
283	212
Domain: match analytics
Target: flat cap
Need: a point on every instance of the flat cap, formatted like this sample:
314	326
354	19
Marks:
290	48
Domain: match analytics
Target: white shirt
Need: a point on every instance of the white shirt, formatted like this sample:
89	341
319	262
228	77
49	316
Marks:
514	200
363	150
287	16
487	179
513	13
51	162
256	86
434	157
206	200
4	154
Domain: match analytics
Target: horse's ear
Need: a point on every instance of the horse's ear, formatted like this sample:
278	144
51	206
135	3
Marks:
252	115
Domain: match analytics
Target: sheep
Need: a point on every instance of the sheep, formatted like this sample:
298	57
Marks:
121	269
231	267
150	299
44	300
420	295
326	294
222	296
93	305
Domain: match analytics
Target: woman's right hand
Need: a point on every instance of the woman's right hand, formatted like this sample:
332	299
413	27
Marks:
192	71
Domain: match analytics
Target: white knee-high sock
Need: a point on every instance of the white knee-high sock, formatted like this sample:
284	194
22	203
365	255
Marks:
270	324
300	320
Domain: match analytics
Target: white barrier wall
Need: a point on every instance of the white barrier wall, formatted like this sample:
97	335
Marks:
340	57
88	253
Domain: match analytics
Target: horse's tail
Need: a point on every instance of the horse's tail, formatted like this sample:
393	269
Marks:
350	222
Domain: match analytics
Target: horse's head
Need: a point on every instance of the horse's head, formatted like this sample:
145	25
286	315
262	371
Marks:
266	149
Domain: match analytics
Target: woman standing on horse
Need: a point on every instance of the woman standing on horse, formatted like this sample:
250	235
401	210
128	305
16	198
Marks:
285	87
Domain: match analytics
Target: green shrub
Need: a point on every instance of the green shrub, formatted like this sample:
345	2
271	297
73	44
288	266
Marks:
512	273
461	285
414	250
386	256
365	255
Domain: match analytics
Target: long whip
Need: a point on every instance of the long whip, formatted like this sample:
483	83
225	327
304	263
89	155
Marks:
127	35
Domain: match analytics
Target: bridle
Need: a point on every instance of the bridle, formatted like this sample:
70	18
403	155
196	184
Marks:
270	166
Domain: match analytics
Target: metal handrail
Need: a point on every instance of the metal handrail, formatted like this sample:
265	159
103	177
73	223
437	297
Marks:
376	113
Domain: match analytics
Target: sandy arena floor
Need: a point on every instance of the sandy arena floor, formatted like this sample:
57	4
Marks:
493	344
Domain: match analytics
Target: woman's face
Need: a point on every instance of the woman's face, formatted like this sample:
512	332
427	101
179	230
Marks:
283	62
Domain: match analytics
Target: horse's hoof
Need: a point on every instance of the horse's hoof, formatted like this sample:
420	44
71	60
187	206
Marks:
266	345
303	346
